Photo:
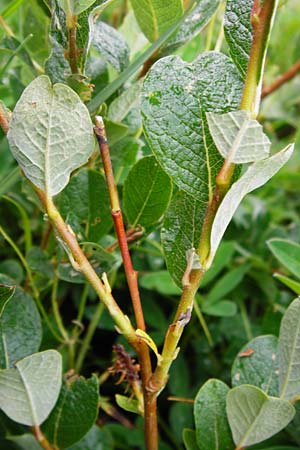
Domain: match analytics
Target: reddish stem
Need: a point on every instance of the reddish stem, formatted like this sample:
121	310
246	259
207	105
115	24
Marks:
282	79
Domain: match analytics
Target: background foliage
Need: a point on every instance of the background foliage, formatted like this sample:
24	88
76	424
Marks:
244	295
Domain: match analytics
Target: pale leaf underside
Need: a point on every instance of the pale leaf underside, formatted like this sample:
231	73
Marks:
51	134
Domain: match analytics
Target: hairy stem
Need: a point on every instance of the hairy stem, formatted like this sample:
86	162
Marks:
151	434
81	263
41	438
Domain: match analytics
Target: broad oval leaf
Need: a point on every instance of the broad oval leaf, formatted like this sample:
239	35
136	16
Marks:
75	412
238	31
29	392
254	417
156	16
256	175
50	134
147	192
20	328
257	364
212	429
288	352
238	138
288	253
175	98
181	232
6	292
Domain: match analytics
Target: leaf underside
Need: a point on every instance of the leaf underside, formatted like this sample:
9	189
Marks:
50	134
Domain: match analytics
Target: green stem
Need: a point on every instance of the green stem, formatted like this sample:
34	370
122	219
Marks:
88	337
25	220
203	324
56	312
262	19
18	49
246	322
10	180
35	291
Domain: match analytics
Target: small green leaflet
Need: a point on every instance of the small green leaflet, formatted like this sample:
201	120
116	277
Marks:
147	192
238	138
50	134
255	176
29	392
288	253
156	16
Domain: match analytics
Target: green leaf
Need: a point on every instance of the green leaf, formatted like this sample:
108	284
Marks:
75	7
128	404
292	284
39	262
156	16
110	44
288	253
238	31
50	134
96	439
24	442
223	308
181	232
288	352
29	392
120	106
6	292
254	417
20	328
147	192
212	429
175	98
193	24
257	364
256	176
161	282
85	201
75	412
189	439
226	284
223	257
238	138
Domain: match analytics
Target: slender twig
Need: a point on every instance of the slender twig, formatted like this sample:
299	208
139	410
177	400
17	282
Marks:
282	79
41	438
56	312
81	263
88	336
151	434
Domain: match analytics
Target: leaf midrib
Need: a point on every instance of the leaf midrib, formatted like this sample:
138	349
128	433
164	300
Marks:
47	149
